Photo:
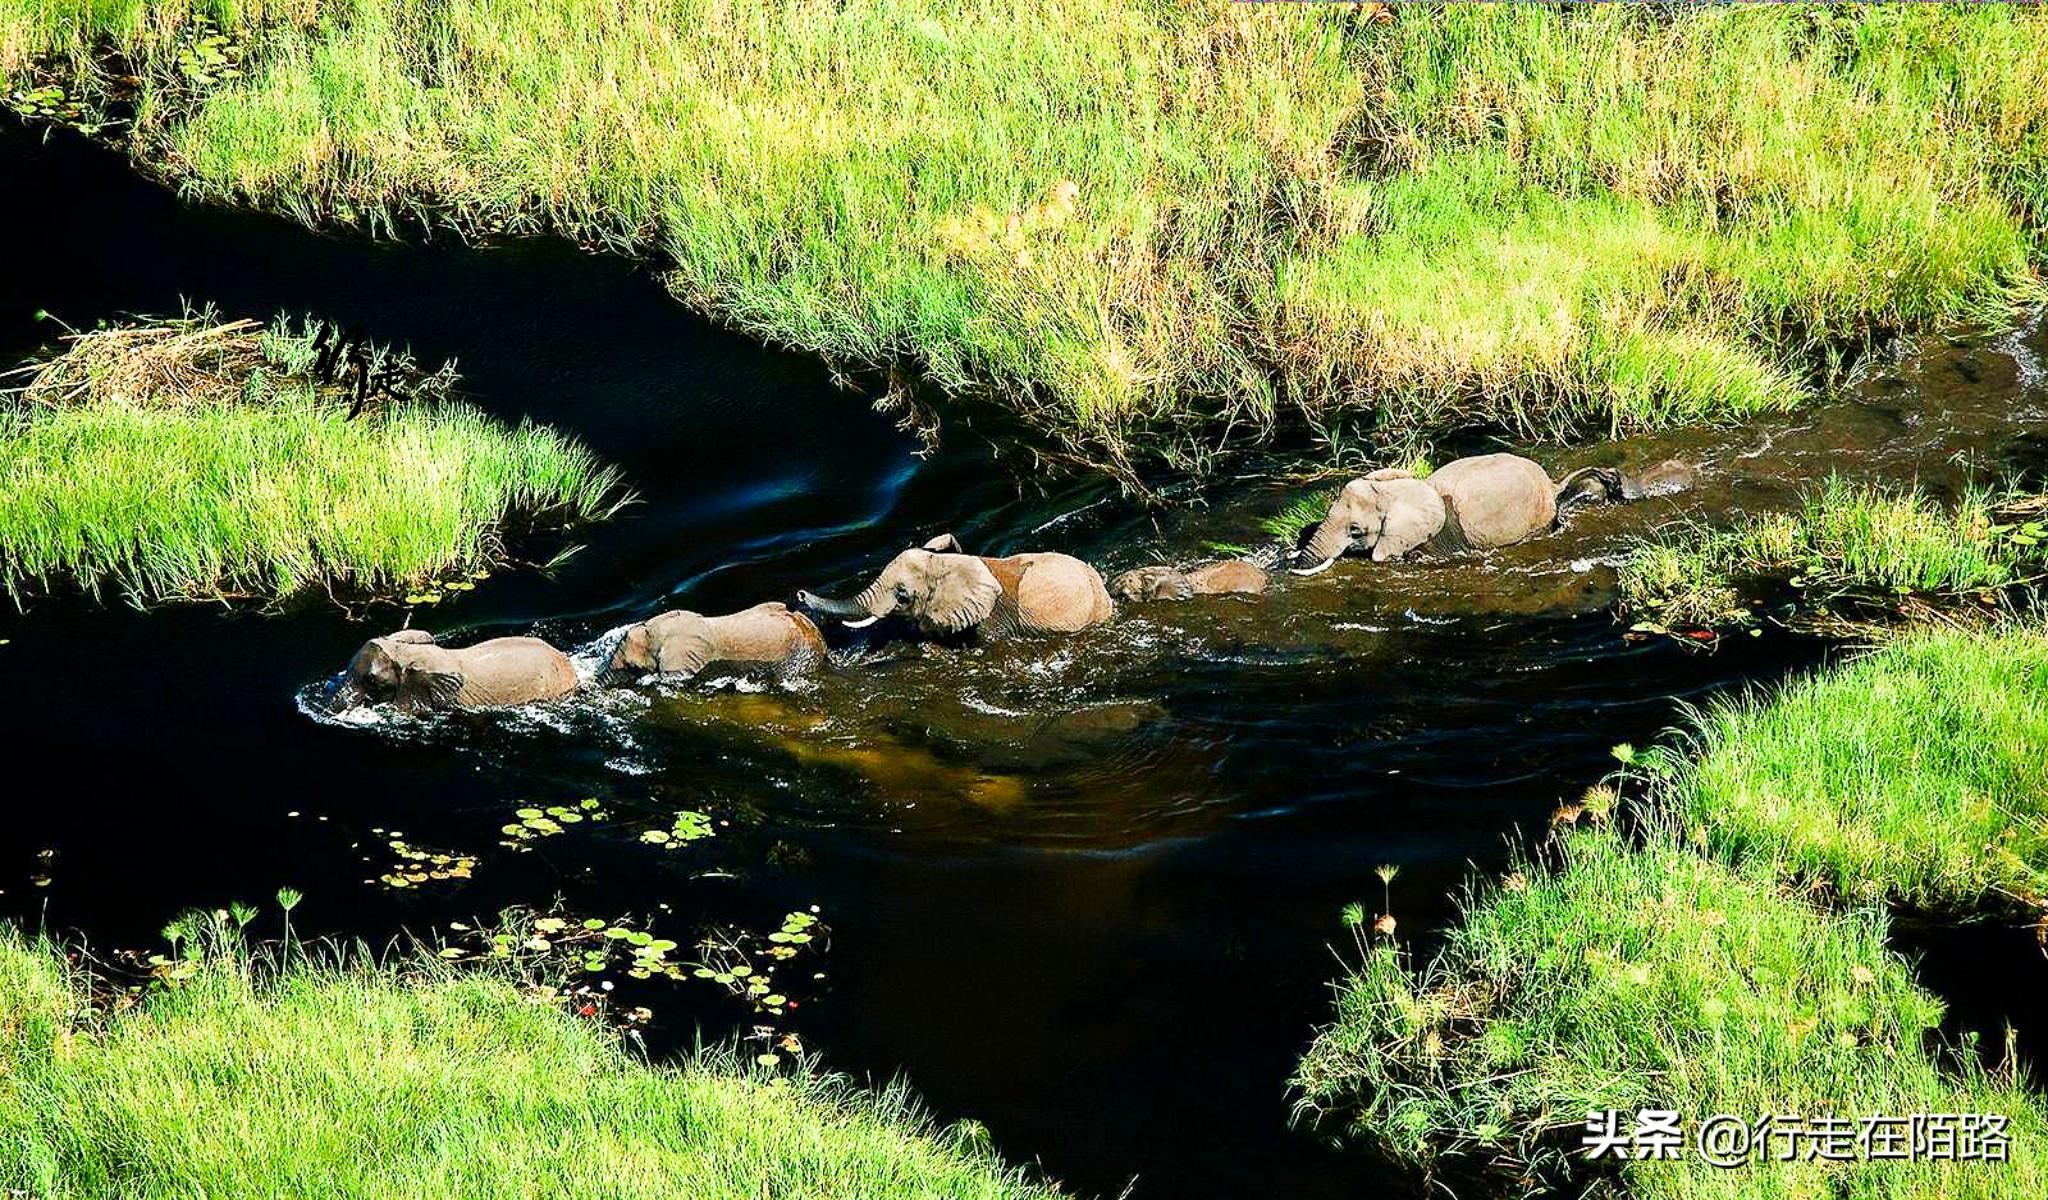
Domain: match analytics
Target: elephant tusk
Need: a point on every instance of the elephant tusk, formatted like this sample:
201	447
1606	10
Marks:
1327	564
863	623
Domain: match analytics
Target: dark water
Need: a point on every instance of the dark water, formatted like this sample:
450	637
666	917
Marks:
1083	892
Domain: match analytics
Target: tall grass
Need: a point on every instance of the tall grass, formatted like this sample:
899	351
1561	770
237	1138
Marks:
1653	977
271	491
1139	224
1854	541
311	1079
1915	775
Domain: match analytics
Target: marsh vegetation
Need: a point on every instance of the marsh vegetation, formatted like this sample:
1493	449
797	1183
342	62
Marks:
1144	226
199	459
259	1072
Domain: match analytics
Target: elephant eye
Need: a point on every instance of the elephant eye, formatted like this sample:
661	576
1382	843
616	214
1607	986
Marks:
903	591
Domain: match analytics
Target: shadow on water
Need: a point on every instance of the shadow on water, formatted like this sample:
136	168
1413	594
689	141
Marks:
1082	891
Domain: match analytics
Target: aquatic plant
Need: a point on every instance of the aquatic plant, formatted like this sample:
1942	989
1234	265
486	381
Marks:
1147	229
1653	977
259	1077
191	459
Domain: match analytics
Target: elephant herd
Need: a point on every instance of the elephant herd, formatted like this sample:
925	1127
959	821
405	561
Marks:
1476	503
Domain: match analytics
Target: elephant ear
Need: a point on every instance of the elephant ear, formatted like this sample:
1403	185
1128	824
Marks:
1414	514
422	686
964	593
945	543
687	650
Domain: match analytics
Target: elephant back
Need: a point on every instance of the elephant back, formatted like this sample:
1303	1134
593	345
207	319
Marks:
513	670
1498	499
1052	593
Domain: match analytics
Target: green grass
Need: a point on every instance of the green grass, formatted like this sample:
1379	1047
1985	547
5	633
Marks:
1861	542
246	480
250	1080
1541	221
1652	977
1917	775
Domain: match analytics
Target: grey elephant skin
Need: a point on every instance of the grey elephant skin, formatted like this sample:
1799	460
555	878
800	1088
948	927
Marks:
946	591
1232	577
768	638
1478	503
408	670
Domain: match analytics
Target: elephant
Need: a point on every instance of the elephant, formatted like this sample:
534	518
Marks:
409	670
682	645
1477	503
1609	485
947	591
1230	577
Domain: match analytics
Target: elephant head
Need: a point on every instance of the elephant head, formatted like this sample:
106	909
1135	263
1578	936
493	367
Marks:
1386	516
405	668
943	591
674	643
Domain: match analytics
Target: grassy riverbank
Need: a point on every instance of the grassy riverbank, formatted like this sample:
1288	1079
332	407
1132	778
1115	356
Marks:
192	460
1138	224
247	1081
1915	775
1655	977
1734	960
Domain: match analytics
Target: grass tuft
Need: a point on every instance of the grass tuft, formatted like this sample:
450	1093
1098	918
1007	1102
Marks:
1863	543
1915	775
250	1079
189	460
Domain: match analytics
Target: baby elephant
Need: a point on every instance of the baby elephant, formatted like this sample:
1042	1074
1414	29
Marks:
683	645
1232	577
947	591
407	669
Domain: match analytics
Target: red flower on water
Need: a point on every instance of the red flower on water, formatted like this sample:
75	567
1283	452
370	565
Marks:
586	1010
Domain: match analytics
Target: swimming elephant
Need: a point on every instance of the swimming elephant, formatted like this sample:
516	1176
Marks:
1230	577
947	591
768	637
1477	503
409	670
1610	485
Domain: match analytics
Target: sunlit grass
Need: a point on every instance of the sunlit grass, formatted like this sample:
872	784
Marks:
255	482
1652	977
1848	540
1126	220
1916	775
251	1080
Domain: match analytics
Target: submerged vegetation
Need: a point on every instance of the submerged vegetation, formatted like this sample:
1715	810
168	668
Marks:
1655	977
1848	543
1141	225
194	460
258	1076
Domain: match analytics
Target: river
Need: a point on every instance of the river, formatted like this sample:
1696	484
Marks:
1084	892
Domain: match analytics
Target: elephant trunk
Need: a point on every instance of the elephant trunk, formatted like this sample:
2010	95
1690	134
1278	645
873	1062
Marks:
855	612
346	694
1322	549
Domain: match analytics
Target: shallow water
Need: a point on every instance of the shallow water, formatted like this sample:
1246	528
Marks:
1083	891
